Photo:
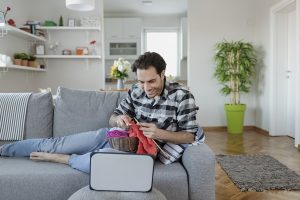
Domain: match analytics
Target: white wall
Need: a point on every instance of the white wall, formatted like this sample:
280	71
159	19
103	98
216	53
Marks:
213	21
262	41
162	21
297	117
16	80
210	22
80	74
75	73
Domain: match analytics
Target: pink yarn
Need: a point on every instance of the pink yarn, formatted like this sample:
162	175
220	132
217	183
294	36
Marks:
117	133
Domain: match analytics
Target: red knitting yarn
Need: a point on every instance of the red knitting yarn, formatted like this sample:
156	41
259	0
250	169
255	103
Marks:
146	145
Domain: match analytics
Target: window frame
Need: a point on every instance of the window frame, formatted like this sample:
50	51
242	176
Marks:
164	30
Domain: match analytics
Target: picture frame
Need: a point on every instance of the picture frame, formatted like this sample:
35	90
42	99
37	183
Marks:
90	21
71	22
40	49
82	51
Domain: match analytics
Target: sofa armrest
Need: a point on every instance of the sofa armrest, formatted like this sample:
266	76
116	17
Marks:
199	162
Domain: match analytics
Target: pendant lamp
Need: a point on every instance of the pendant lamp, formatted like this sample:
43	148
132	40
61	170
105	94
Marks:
80	5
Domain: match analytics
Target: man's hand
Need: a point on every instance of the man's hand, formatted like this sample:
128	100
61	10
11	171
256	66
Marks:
123	121
151	131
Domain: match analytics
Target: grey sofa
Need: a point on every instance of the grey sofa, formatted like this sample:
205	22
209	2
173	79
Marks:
76	111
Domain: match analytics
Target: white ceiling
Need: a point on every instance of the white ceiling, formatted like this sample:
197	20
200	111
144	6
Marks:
136	7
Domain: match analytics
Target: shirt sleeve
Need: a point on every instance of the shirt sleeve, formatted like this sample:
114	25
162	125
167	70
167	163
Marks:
186	113
126	106
186	117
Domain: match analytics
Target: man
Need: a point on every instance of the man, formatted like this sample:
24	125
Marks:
166	111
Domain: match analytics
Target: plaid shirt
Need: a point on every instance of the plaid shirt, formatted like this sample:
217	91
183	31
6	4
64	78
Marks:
174	110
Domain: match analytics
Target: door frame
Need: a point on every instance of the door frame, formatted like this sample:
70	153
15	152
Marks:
273	70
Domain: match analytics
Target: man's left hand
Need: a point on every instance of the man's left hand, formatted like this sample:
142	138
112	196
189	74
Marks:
150	130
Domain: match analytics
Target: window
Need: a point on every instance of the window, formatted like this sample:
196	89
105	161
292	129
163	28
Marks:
164	42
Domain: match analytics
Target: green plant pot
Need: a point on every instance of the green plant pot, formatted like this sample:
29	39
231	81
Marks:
235	118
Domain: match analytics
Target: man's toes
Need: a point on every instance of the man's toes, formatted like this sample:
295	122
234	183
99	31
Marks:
35	154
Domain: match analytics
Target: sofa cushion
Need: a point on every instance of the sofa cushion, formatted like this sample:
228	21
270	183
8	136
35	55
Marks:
171	180
39	116
78	111
21	178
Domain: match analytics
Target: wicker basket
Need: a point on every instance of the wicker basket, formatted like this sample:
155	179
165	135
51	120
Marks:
129	144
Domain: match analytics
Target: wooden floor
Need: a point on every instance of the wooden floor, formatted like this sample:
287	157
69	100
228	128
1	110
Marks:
281	148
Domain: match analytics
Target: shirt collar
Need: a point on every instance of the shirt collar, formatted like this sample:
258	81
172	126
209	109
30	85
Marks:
165	91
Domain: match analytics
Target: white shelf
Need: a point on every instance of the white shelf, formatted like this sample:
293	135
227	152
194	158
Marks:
22	34
70	56
24	68
58	28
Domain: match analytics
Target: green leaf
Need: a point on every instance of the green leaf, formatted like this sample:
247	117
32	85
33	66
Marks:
236	61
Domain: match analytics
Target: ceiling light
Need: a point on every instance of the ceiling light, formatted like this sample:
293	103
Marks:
147	2
80	5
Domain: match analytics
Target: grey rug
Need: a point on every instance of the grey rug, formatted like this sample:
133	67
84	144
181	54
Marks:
258	173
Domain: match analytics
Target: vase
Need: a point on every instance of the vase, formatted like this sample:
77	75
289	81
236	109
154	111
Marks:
120	84
93	50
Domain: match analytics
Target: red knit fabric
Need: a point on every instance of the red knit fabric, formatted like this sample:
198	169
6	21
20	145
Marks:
146	145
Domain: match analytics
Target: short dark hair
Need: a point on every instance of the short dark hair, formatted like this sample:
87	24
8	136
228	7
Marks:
149	59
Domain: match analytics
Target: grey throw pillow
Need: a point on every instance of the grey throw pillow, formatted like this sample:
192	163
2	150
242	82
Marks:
39	116
79	111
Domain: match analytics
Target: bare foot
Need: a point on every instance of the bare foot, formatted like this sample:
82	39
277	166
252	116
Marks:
40	156
51	157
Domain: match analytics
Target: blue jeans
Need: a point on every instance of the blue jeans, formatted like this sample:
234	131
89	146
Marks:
79	146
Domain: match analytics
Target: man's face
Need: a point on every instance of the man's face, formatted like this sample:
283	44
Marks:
150	81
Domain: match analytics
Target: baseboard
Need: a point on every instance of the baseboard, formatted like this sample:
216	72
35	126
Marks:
214	128
261	131
224	129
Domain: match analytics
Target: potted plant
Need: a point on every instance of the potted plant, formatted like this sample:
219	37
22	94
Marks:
24	58
17	59
31	61
235	66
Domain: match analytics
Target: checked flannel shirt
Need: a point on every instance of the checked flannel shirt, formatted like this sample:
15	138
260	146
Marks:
174	110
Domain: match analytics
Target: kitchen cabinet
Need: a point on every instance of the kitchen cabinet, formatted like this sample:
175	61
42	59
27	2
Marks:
122	37
122	28
126	48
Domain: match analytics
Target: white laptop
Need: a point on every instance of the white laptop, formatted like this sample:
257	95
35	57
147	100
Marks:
121	172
